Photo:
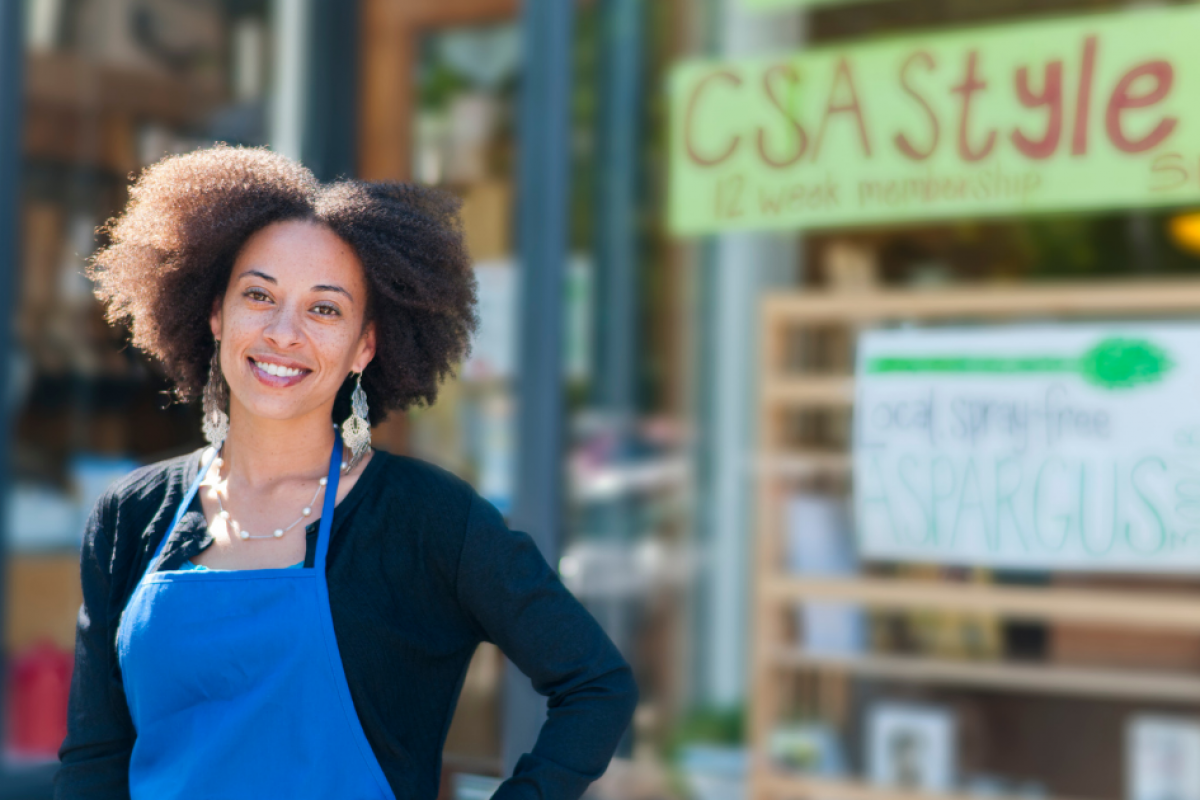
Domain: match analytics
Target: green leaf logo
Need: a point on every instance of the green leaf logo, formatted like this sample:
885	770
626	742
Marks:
1113	363
1124	363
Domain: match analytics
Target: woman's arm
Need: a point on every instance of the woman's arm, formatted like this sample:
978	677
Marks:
100	733
518	602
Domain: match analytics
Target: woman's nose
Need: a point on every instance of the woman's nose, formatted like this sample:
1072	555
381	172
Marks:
283	331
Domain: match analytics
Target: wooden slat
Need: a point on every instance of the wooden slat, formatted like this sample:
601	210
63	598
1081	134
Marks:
1158	610
794	787
387	86
803	463
1008	677
768	632
1117	299
814	391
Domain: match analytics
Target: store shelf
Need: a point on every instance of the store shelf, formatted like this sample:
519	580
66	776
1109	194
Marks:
810	391
794	787
66	80
88	113
618	480
1007	677
805	463
1117	299
1140	609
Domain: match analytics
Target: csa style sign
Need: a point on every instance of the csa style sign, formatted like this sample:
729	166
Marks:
1067	447
1086	113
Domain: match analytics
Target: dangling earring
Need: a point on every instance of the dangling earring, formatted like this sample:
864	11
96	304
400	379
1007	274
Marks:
216	398
356	430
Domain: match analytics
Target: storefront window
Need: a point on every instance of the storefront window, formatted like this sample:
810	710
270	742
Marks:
110	87
624	549
464	141
950	593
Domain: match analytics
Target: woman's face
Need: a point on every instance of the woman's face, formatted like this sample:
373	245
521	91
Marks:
291	321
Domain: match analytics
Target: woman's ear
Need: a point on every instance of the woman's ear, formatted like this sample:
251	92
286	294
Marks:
214	317
366	350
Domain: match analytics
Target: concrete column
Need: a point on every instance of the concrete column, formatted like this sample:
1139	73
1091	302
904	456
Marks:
544	174
290	27
736	269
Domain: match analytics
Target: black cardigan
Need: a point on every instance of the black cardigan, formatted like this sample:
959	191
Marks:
420	570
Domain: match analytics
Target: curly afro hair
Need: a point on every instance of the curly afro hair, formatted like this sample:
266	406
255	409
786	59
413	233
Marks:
172	249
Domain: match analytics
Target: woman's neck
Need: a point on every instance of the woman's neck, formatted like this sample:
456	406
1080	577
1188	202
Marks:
261	451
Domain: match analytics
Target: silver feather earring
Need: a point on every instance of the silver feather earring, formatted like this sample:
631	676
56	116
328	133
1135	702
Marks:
356	430
215	401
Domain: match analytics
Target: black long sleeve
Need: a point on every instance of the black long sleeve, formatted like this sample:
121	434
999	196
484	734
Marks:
100	735
520	605
420	570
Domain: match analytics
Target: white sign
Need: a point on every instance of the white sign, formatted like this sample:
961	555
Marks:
1048	447
1163	758
911	746
494	345
493	348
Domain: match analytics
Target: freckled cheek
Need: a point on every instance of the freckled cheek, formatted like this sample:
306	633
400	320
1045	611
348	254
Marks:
337	346
239	323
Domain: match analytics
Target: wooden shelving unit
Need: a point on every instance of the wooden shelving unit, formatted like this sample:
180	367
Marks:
1161	610
67	80
1019	678
776	658
86	113
787	787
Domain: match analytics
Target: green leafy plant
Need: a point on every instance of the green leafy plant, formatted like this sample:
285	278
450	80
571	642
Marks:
709	725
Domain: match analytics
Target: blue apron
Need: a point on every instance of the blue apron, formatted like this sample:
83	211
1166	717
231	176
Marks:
235	683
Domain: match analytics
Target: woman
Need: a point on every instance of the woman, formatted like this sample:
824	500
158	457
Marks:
289	613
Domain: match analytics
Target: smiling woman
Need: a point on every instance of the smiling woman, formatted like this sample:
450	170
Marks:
294	315
172	254
205	666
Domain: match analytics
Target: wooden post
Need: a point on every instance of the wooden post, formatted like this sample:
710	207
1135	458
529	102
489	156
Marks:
390	35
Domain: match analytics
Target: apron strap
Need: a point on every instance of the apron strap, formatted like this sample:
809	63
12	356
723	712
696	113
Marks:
205	461
331	489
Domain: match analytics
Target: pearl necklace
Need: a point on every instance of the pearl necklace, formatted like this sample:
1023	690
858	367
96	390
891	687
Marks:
245	534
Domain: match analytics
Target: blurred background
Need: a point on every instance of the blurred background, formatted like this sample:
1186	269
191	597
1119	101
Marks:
841	355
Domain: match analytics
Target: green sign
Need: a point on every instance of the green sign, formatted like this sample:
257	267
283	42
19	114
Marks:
1086	113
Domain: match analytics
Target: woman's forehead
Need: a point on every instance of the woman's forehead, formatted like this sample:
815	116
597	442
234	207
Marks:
298	251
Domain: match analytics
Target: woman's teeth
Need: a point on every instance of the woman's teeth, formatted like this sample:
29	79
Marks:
277	370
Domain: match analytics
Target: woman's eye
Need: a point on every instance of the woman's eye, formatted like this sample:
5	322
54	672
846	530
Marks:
328	311
256	294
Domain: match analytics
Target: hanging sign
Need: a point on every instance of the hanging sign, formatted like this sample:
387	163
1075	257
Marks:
1088	113
1066	447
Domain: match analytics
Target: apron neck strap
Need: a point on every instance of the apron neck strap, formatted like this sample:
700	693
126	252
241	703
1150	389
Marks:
331	489
206	459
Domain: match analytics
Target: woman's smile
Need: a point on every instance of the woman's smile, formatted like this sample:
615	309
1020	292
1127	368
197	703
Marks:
276	373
